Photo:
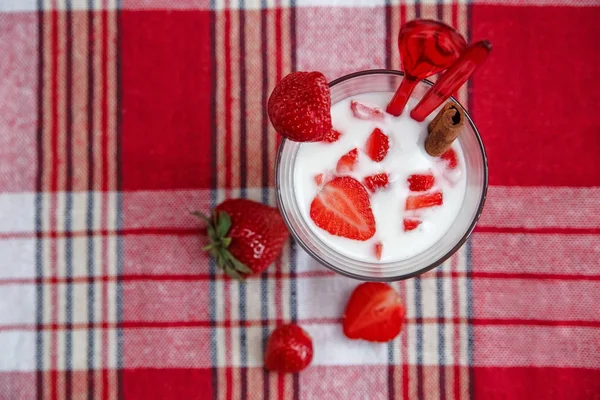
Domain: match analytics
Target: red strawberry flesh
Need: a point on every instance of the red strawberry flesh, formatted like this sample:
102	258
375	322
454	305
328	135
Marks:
362	111
424	201
421	182
377	145
411	224
378	249
375	182
450	158
347	162
374	312
342	208
300	107
332	136
319	179
289	349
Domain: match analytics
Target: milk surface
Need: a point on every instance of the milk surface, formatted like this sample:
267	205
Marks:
405	157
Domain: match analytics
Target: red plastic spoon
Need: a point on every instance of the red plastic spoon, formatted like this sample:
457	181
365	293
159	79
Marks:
426	48
452	80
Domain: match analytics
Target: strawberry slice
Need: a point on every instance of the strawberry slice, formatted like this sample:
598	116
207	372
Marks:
378	249
362	111
332	136
375	182
424	200
377	145
374	313
342	208
450	158
319	179
347	162
421	182
411	224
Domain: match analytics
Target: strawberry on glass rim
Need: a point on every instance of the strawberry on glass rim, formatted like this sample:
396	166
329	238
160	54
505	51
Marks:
299	108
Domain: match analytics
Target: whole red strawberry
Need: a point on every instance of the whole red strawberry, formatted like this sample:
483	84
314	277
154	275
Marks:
289	349
374	313
300	107
245	236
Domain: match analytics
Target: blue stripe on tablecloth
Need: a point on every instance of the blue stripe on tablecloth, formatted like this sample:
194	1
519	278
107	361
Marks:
243	184
294	304
439	281
419	334
90	202
213	195
69	207
120	241
39	200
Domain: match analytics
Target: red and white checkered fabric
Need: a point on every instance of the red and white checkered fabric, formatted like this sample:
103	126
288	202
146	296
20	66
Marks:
117	117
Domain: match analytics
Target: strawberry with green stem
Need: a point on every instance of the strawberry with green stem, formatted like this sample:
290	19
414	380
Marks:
245	237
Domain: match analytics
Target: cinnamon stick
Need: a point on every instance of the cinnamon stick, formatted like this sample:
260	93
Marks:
444	128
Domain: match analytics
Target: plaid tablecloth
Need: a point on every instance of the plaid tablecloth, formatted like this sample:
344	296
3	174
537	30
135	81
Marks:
118	117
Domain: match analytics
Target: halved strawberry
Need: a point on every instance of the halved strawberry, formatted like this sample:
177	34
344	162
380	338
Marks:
374	312
319	179
450	158
421	182
378	250
342	208
362	111
424	200
375	182
411	224
332	136
347	162
377	145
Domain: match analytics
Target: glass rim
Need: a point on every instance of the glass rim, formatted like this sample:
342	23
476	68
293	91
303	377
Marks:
426	268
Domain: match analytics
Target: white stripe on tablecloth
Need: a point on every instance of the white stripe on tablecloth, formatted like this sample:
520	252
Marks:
511	207
31	5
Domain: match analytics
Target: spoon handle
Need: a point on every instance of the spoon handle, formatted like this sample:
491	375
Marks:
402	95
452	79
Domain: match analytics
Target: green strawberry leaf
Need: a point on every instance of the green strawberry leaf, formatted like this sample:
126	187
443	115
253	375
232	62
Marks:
223	224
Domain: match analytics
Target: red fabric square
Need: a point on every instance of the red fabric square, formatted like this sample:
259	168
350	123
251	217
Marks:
536	130
166	85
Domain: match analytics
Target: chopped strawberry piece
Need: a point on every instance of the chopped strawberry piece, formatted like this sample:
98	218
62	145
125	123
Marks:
377	145
450	158
342	208
347	162
362	111
375	182
421	182
411	224
332	136
319	179
374	312
378	250
424	200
